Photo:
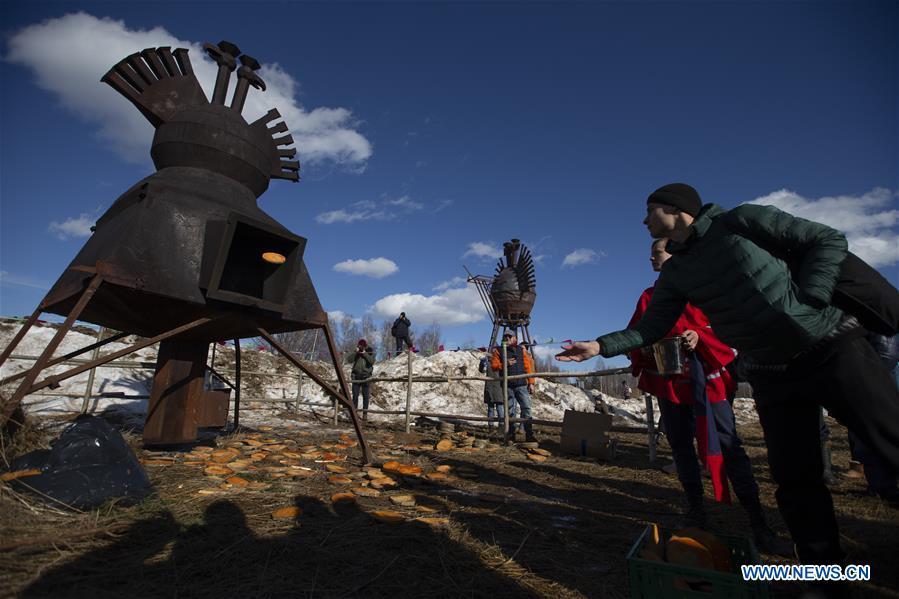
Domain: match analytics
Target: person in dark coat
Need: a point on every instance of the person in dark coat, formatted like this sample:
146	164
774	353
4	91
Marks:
363	361
400	332
493	394
798	351
687	412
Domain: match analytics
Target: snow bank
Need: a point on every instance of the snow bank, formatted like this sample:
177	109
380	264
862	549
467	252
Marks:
270	377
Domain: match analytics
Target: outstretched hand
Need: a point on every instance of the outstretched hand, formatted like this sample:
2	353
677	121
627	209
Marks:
691	338
578	351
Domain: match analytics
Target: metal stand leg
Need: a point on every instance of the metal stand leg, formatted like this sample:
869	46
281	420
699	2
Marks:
493	337
236	384
45	356
19	336
342	397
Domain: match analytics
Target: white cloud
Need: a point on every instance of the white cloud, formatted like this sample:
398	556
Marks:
405	202
869	221
10	279
444	204
580	256
450	308
342	216
369	210
338	316
69	54
376	268
73	227
454	282
545	351
482	249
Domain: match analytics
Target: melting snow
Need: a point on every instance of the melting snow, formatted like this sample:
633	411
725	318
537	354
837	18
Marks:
268	376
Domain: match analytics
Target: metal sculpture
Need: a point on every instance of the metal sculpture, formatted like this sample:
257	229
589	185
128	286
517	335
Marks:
186	257
510	294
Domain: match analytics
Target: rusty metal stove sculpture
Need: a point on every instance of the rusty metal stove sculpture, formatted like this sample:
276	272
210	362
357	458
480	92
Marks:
510	294
186	257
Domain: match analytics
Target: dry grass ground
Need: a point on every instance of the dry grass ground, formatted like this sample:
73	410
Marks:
514	527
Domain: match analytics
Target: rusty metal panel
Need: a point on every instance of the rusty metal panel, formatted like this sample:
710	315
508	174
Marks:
212	410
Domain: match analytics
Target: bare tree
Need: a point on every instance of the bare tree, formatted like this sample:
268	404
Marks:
388	343
544	364
308	345
351	333
429	340
369	332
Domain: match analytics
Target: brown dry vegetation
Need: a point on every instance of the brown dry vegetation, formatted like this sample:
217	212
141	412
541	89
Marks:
558	528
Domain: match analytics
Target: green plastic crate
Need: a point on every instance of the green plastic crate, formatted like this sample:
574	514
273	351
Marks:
655	580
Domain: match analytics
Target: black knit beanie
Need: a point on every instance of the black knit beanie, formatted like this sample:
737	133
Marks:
679	195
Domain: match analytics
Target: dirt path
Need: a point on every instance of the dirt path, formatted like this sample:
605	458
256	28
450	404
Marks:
487	522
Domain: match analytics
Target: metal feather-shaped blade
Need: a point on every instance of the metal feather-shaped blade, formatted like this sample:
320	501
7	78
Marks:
158	82
524	270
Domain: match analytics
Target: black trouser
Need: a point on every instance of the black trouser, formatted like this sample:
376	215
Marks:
848	379
399	343
366	396
680	428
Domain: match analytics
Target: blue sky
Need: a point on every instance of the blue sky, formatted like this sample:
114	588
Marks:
431	132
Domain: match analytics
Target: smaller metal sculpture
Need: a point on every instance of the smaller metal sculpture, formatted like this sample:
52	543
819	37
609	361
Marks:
509	296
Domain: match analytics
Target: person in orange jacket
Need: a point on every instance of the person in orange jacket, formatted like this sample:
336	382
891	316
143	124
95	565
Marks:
518	361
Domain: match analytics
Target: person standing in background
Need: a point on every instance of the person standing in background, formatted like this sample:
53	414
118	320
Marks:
400	332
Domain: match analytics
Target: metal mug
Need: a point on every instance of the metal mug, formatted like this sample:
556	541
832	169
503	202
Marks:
670	355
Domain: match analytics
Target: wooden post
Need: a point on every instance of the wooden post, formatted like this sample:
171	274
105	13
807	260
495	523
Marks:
650	427
299	392
236	384
334	403
408	388
312	353
505	391
89	388
177	392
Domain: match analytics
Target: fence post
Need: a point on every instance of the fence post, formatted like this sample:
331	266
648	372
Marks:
89	389
299	393
236	384
650	427
505	392
408	388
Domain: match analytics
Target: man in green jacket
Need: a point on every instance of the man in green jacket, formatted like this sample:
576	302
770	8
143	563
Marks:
363	361
797	351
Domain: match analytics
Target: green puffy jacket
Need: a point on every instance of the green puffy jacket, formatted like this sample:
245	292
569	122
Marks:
363	364
754	305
